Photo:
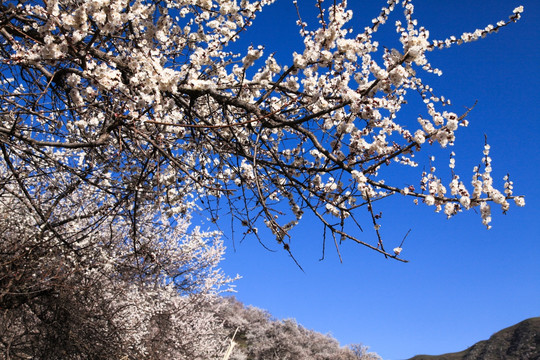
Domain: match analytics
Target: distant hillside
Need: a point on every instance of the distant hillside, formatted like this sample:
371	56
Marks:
518	342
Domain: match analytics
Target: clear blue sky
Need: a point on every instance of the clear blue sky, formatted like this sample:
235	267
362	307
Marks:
463	282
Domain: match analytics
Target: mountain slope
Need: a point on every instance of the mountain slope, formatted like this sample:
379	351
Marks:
517	342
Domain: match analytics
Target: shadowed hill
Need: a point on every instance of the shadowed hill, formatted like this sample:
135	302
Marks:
517	342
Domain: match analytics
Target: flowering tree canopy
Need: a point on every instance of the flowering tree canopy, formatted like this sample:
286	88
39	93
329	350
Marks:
258	336
104	296
112	108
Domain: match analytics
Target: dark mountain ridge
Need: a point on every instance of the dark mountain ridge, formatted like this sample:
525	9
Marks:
517	342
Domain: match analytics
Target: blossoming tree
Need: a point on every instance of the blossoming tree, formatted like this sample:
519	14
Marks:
104	296
117	104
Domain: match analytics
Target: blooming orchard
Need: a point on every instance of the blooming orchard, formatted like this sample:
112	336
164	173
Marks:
143	102
118	118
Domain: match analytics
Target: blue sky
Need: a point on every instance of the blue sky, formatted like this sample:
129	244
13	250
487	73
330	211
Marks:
463	282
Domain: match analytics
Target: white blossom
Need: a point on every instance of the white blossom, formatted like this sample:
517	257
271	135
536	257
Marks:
429	200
